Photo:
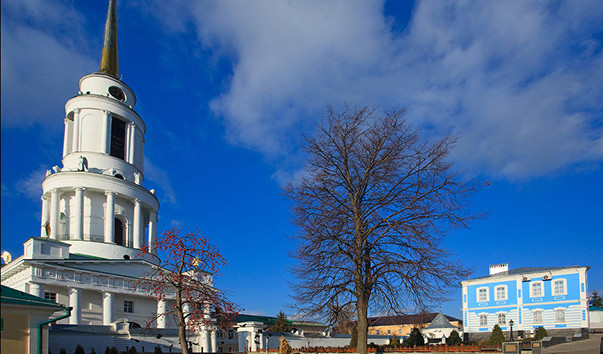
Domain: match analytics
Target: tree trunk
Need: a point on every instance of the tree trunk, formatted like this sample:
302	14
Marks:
362	310
181	324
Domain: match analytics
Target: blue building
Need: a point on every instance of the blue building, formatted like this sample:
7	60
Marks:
554	298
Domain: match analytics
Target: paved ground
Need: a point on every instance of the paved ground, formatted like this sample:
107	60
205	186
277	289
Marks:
587	346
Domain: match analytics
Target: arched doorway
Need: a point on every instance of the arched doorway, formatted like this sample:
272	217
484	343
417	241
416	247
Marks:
119	232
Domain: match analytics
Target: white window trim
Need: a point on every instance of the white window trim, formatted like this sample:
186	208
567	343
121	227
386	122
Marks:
496	298
479	315
541	316
487	294
564	314
541	288
497	318
553	290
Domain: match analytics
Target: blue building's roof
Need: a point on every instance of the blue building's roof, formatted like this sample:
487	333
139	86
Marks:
525	271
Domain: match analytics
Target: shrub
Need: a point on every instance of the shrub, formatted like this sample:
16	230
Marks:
158	350
63	351
79	350
415	338
354	339
497	336
111	350
132	350
454	338
540	333
92	351
395	341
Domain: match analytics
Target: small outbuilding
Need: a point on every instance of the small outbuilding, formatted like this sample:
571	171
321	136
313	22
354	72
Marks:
24	321
439	329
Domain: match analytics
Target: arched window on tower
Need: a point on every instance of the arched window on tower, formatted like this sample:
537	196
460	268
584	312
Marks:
63	233
118	138
119	232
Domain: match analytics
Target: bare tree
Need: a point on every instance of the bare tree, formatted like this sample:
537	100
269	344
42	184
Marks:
371	209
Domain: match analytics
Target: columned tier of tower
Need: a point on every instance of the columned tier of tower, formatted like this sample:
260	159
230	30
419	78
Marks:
101	120
87	209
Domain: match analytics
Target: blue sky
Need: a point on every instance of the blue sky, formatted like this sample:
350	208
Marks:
226	88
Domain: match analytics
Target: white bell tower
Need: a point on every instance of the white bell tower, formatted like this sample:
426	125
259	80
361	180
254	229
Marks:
96	201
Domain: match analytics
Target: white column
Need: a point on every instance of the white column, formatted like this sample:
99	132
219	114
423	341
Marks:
161	320
66	141
36	290
214	342
107	308
242	336
110	218
45	206
76	131
131	138
207	341
74	301
137	233
106	132
54	214
186	309
78	214
152	231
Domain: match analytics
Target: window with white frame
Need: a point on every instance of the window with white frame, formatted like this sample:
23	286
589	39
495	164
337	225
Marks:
559	287
537	317
500	292
537	289
482	294
128	306
502	318
559	315
483	320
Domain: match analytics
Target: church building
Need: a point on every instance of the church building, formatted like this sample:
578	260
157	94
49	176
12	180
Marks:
96	213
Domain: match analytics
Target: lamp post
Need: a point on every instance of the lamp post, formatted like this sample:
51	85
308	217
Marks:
511	325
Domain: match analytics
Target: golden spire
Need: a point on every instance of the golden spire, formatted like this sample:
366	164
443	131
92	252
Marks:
108	64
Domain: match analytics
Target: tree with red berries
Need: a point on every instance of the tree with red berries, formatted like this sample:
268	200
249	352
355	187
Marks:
184	277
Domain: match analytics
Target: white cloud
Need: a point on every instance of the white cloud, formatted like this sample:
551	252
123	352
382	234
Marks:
43	57
519	81
159	176
31	186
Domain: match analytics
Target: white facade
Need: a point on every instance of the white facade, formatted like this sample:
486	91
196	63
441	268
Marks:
96	214
97	196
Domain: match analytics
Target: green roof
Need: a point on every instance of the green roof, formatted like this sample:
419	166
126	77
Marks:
78	256
12	296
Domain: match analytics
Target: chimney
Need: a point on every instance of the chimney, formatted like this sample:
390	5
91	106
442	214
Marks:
499	268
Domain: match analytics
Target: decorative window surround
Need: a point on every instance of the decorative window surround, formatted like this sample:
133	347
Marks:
559	287
483	294
537	289
500	293
483	320
559	315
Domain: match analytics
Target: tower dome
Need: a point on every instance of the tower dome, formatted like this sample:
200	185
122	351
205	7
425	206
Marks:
96	201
